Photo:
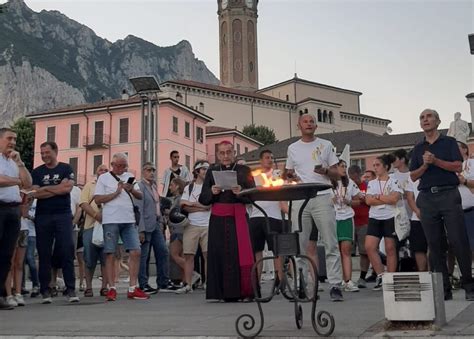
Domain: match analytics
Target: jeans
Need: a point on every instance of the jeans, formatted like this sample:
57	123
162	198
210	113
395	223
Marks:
442	216
128	232
321	210
57	228
92	253
155	240
9	230
31	261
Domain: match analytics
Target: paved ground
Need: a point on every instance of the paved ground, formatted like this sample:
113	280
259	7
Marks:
169	315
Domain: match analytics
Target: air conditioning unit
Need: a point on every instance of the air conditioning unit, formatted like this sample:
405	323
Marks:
409	296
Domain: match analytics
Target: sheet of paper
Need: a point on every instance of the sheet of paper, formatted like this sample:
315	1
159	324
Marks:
225	179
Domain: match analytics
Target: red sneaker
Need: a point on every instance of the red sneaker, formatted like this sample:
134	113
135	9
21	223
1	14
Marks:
137	294
111	295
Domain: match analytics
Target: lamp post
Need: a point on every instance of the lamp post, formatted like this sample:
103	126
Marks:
471	42
147	88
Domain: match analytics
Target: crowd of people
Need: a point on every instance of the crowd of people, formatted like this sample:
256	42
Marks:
213	235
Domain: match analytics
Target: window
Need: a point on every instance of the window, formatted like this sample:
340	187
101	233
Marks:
331	117
51	133
74	136
238	149
246	149
201	107
325	116
98	160
287	97
179	97
187	161
98	132
320	116
359	162
73	163
175	125
186	129
199	135
123	130
305	110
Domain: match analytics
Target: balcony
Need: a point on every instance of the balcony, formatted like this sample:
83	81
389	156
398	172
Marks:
96	141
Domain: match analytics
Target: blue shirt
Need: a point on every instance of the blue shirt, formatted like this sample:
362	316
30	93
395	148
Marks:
44	176
444	148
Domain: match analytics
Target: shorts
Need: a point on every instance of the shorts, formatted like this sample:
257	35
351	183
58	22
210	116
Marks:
360	233
128	232
469	221
345	230
381	228
22	239
194	236
176	236
417	237
259	233
92	253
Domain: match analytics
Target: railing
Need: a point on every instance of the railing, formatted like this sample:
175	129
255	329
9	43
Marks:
96	141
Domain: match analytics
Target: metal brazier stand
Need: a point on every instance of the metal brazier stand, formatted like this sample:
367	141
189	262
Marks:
286	246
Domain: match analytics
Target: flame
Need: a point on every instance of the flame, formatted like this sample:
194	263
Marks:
261	179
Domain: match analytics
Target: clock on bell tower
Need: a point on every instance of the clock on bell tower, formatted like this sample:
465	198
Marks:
238	44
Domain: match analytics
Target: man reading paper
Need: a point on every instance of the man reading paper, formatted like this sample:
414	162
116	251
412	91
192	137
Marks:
230	256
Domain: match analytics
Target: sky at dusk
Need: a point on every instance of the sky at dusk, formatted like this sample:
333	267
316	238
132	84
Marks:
403	55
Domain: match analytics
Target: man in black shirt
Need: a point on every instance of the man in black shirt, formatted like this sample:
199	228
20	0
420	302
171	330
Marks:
53	182
435	161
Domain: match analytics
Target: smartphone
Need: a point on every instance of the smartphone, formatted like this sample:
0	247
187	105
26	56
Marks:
317	167
131	180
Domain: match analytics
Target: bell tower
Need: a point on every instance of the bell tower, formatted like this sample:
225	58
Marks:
238	44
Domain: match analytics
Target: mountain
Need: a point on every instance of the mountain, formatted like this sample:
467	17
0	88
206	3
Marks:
48	60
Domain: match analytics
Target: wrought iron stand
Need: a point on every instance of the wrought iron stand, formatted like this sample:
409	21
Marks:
292	285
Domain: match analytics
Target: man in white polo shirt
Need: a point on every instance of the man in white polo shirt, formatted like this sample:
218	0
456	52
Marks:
13	176
313	160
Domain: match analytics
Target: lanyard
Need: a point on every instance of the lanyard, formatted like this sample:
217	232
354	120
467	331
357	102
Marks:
380	186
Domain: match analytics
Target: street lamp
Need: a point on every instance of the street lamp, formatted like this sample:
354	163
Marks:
147	88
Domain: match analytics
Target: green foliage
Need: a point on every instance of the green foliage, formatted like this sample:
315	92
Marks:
25	134
261	133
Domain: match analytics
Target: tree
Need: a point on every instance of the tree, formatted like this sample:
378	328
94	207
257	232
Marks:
261	133
25	140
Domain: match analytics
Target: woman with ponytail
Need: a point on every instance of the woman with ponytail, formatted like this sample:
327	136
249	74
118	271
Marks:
383	194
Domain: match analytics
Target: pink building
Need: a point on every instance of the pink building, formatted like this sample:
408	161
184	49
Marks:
242	143
88	135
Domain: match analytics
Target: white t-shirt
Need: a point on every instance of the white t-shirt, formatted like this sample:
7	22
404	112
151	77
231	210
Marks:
467	195
413	187
28	224
272	208
9	168
75	198
119	210
303	156
385	211
200	218
344	211
403	179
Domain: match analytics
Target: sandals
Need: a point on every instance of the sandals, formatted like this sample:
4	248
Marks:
88	293
103	291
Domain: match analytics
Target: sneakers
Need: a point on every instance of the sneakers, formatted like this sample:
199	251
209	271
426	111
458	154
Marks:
137	294
11	301
34	292
195	279
361	283
170	288
47	299
378	283
149	290
20	300
349	286
336	294
183	290
72	297
4	305
111	294
103	291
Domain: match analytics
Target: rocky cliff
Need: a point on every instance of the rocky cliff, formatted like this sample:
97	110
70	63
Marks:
48	60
